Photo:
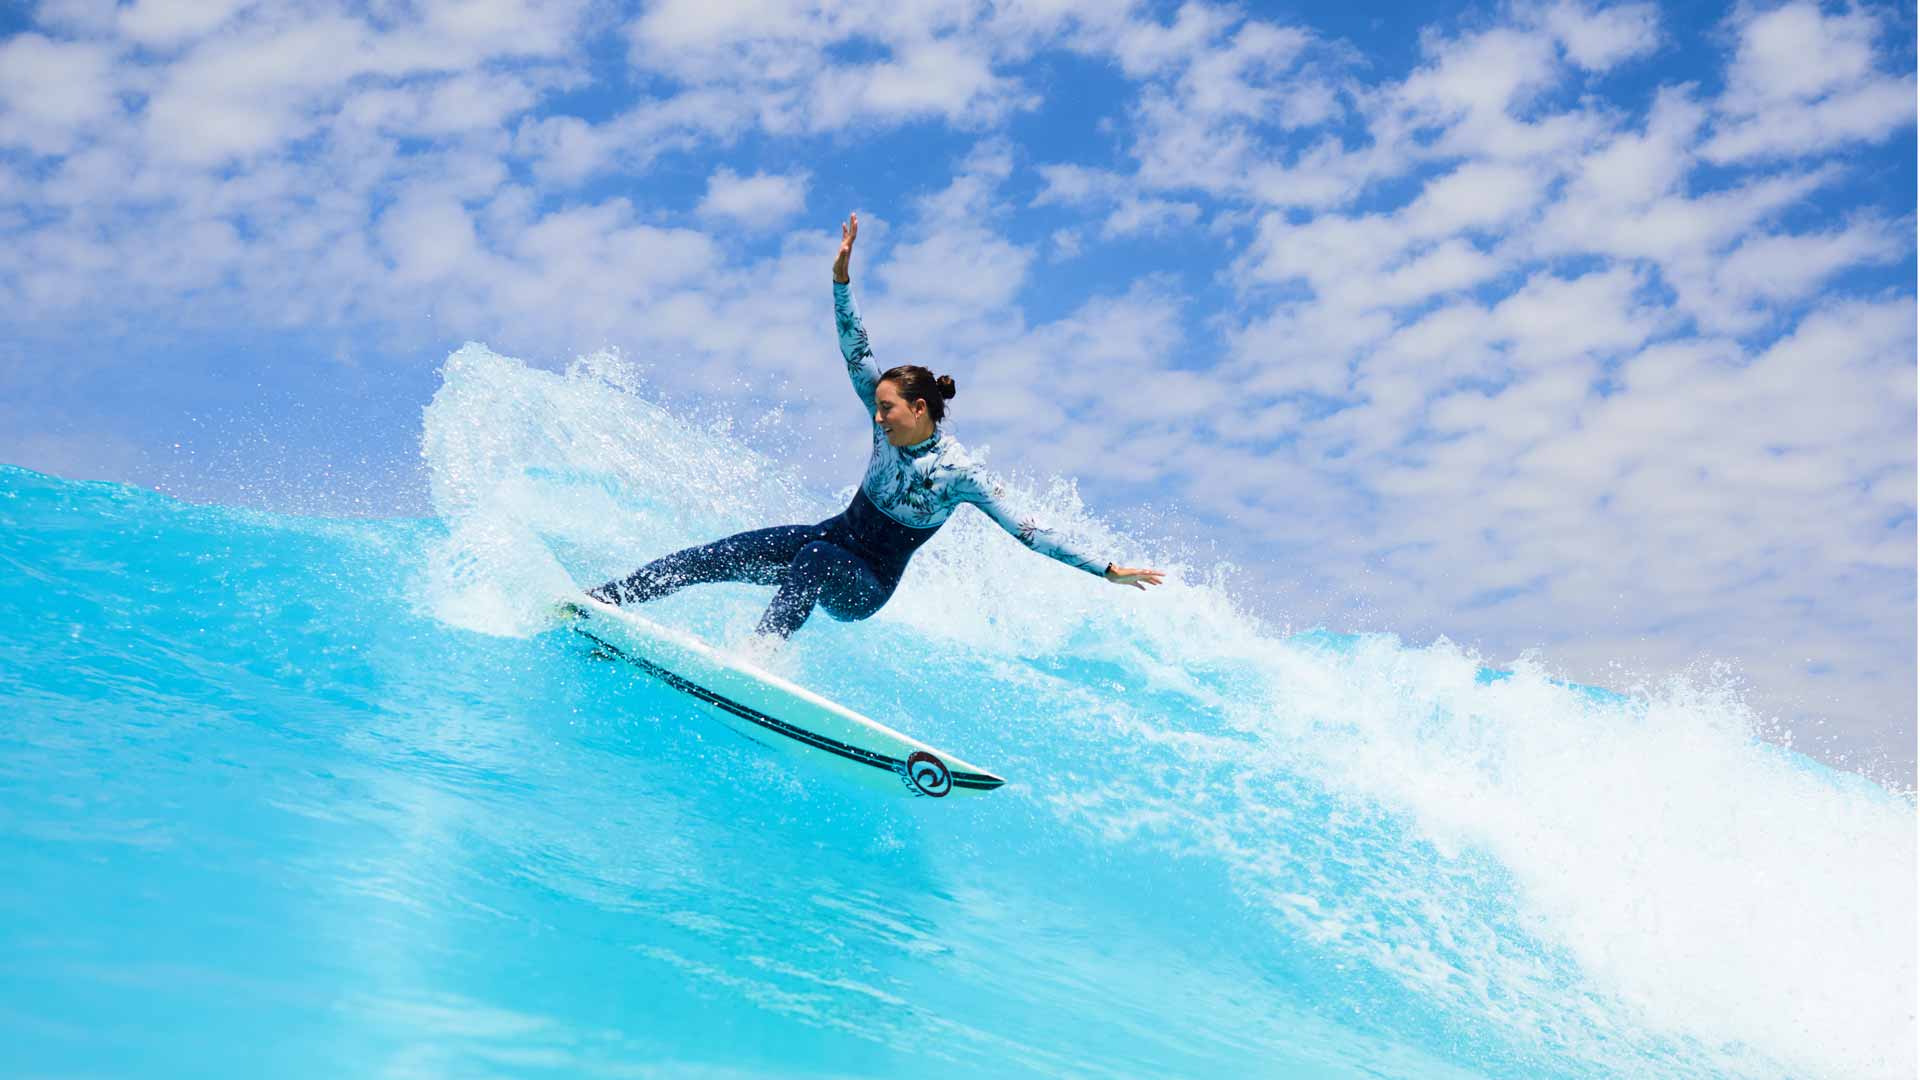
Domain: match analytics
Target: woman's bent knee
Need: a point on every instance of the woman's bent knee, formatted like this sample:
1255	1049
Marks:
844	585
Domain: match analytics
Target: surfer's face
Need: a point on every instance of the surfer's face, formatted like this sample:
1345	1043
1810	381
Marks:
904	422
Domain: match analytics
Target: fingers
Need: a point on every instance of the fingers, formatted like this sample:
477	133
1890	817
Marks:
1138	578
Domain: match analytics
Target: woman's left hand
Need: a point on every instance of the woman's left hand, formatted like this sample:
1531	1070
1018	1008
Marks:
1128	575
849	229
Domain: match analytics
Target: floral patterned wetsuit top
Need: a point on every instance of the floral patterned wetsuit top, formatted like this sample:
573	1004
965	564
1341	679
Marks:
921	485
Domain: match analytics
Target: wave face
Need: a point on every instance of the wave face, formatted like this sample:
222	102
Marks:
288	796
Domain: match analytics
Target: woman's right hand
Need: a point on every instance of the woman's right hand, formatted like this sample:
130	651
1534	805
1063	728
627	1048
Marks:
1138	577
848	231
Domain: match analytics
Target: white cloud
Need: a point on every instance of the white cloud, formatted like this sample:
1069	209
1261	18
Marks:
1631	170
249	93
1804	81
1075	184
1447	267
1677	230
1135	216
1405	257
1865	113
254	87
1554	320
1465	101
938	59
756	201
952	265
587	259
940	77
1239	78
956	263
465	32
52	93
1144	46
1480	75
167	23
1115	358
1476	197
1066	243
1127	212
76	16
566	150
461	104
1600	38
776	33
1302	348
428	238
474	102
1796	52
1743	289
1627	198
1196	127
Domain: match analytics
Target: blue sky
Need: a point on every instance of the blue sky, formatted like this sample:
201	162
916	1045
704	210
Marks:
1579	328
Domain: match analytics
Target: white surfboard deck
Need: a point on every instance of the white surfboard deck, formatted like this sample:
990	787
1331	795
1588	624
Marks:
776	712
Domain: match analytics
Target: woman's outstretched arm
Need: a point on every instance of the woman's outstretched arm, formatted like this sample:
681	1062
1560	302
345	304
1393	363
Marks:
990	497
846	319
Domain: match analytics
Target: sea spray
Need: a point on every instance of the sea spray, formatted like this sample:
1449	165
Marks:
1613	878
327	785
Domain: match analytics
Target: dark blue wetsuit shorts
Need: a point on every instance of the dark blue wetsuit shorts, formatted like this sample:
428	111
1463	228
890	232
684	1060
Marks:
848	564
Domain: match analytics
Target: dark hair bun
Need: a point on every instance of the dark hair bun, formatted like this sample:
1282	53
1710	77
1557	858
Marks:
945	383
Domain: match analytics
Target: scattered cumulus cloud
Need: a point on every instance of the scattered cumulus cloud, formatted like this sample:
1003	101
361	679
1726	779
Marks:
1804	80
53	92
1597	39
756	201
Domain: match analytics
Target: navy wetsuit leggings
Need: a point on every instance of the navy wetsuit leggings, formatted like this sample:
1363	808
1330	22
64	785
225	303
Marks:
808	568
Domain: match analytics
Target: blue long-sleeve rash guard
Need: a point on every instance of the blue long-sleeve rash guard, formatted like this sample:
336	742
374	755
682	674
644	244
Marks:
921	485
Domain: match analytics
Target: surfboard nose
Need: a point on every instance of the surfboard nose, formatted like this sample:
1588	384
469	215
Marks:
977	781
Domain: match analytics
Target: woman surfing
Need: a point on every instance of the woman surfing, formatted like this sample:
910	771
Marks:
850	563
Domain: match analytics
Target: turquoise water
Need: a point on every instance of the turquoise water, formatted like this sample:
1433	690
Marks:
298	797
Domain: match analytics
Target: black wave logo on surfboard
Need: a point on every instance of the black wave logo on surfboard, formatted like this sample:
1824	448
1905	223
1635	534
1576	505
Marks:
927	774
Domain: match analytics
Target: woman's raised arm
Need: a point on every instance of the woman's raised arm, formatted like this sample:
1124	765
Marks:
846	319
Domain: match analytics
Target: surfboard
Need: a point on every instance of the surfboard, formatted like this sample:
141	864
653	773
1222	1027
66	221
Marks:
774	711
